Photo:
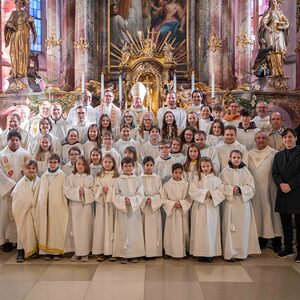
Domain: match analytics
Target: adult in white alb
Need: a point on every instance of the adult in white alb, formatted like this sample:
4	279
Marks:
179	113
60	126
197	102
230	143
81	124
24	112
107	107
268	222
86	101
262	120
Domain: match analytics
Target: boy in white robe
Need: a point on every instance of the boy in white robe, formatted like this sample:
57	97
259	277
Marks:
107	148
52	213
129	238
23	211
74	154
151	148
176	205
163	164
79	191
12	160
151	209
239	234
206	190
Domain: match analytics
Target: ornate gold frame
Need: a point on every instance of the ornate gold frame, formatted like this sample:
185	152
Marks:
187	37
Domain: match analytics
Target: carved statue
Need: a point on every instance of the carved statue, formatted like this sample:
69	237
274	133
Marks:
273	34
17	34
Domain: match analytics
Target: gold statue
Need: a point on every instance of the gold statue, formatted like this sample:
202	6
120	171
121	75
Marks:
17	34
273	34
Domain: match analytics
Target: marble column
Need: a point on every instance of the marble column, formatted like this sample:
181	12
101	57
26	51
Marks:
102	32
68	37
228	37
53	27
84	28
215	58
243	26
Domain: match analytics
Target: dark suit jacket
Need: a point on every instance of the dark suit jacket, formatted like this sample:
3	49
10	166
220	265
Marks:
287	172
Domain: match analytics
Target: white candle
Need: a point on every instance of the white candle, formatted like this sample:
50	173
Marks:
84	20
120	90
213	85
102	85
174	82
193	81
82	83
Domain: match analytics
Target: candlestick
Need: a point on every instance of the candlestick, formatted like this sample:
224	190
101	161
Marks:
120	91
174	82
213	85
193	81
82	83
102	85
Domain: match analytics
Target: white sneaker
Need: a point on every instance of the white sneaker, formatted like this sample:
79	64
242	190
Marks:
74	258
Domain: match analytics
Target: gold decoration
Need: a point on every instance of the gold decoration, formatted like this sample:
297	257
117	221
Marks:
278	83
242	41
214	43
52	41
82	44
276	63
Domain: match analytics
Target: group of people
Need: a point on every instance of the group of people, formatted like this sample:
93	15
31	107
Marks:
126	185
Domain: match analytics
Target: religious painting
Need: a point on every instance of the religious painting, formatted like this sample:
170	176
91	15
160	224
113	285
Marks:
166	17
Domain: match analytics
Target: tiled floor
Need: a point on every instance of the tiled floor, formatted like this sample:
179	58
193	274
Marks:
259	277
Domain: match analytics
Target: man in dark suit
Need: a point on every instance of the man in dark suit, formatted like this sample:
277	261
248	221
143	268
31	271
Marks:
286	175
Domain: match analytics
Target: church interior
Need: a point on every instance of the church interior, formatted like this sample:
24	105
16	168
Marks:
228	52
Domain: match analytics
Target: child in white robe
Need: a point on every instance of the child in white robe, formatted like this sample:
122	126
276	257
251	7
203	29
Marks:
131	152
107	147
104	188
163	164
176	205
79	191
206	191
151	209
23	211
176	147
151	148
52	214
72	140
129	238
74	153
192	164
95	161
239	234
93	141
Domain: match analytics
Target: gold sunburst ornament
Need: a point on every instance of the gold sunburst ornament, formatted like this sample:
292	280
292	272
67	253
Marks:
82	44
243	41
214	43
52	41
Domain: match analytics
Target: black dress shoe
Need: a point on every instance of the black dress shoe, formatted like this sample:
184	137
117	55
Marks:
20	256
285	253
7	247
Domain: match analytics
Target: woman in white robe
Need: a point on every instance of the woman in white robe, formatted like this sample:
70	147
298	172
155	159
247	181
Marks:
129	238
104	189
23	210
239	234
207	193
151	213
79	191
176	233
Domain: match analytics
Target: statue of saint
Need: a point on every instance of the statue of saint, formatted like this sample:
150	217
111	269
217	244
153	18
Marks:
272	34
17	34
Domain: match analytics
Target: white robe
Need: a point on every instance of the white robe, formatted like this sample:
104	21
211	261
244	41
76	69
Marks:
211	152
10	162
81	211
179	158
223	149
7	185
205	237
148	149
263	123
82	130
114	153
239	235
129	238
152	215
120	145
188	176
92	114
25	142
88	148
213	140
268	222
52	214
68	168
179	114
23	212
163	168
95	169
65	149
176	233
246	137
36	140
105	215
60	128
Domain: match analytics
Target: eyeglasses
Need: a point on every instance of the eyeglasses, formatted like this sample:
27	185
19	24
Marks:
164	147
53	162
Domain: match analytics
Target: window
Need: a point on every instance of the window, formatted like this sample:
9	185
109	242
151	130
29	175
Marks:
35	10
